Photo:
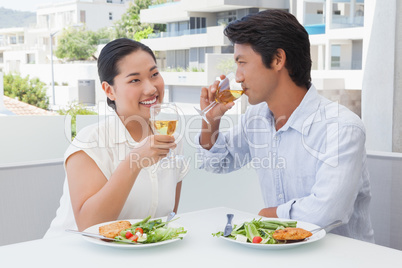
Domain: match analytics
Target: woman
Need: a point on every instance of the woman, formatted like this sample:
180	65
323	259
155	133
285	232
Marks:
113	169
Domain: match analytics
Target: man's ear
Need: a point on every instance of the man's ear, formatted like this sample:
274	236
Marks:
109	91
279	59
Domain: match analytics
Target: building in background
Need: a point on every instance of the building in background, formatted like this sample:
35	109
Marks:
31	45
28	50
194	47
194	51
349	41
336	29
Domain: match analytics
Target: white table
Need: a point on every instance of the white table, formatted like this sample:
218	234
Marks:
199	249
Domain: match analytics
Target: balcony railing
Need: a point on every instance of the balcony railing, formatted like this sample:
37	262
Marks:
177	33
347	22
168	3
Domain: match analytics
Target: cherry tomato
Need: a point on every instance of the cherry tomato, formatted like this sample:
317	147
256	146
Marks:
134	238
139	229
257	239
128	234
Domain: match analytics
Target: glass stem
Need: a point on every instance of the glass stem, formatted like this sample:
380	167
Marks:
209	107
171	154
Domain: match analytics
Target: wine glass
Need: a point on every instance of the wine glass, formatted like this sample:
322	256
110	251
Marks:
164	120
228	90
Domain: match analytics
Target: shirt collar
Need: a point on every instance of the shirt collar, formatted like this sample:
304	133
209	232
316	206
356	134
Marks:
118	133
304	115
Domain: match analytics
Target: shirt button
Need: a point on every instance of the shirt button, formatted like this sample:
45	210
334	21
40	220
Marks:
280	196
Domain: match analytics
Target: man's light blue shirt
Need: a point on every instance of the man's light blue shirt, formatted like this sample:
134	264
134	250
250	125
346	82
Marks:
312	169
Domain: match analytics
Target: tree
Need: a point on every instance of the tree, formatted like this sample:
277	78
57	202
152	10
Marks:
226	65
130	26
31	91
81	44
76	44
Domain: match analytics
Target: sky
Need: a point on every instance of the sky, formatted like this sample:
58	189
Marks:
26	5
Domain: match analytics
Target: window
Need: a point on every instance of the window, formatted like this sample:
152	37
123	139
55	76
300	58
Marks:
21	39
109	1
30	58
82	16
335	56
110	16
197	22
224	18
13	40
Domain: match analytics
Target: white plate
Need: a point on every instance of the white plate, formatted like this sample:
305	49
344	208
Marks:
95	229
305	225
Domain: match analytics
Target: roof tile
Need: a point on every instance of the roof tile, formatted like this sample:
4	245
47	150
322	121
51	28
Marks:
22	108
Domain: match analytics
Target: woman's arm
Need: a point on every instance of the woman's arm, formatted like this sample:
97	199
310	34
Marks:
95	199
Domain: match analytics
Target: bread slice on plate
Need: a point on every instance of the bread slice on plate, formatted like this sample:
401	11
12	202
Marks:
113	229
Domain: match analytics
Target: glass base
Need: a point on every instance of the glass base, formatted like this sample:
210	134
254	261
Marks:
202	114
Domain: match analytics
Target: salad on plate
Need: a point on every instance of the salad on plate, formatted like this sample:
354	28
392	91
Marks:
136	233
150	231
257	231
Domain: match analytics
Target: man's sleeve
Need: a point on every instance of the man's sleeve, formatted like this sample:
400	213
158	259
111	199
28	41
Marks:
230	151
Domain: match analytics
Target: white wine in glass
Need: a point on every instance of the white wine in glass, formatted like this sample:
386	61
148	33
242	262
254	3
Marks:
164	120
228	91
165	127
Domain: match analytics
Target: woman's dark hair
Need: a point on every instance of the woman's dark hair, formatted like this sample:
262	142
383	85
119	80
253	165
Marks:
110	56
270	30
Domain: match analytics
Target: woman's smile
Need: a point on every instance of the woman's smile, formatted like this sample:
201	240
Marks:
149	102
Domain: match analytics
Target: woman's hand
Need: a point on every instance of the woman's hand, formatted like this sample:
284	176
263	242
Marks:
151	150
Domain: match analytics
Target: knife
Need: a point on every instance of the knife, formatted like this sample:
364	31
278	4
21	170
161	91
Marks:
100	237
228	227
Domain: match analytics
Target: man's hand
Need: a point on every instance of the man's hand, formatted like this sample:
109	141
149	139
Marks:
268	212
209	132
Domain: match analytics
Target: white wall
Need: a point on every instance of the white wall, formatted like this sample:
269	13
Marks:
29	198
379	73
96	14
386	203
213	37
26	139
70	73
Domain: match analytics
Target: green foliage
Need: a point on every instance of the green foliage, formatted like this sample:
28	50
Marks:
31	91
104	35
74	109
139	35
76	44
81	44
226	65
130	26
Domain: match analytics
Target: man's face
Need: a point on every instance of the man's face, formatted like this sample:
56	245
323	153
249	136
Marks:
258	81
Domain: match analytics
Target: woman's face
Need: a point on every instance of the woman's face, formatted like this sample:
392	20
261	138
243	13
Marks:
138	85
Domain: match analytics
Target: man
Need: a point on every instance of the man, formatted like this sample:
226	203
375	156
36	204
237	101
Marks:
308	152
